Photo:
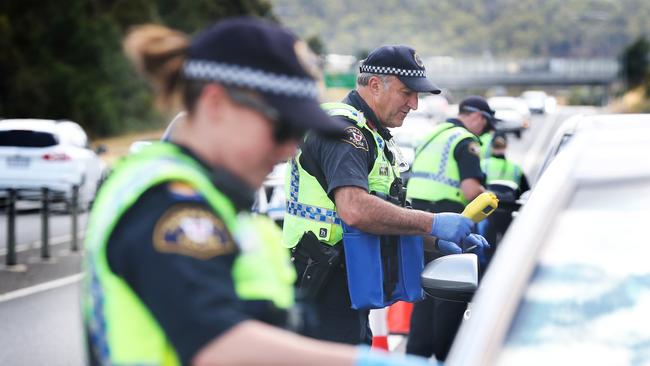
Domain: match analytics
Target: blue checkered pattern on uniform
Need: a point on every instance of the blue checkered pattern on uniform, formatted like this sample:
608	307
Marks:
440	176
305	211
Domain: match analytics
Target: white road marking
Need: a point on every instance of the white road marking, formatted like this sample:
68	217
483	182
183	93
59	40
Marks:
40	287
55	240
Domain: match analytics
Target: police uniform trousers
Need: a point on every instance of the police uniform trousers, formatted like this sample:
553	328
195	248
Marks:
330	316
434	322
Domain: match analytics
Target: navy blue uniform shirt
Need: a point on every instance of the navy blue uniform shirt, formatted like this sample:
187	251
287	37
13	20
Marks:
346	161
467	156
191	295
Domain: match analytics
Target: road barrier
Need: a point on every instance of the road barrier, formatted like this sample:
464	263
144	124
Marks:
46	196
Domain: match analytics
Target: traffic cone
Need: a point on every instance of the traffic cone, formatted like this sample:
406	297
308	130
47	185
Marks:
379	328
399	318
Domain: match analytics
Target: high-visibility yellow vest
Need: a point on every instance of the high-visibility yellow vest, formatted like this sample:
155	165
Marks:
308	206
434	174
121	329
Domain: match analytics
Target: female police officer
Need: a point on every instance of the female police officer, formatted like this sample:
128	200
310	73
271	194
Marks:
177	271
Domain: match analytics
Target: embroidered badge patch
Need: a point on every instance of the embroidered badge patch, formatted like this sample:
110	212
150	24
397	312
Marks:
355	137
383	170
322	232
192	231
474	149
418	60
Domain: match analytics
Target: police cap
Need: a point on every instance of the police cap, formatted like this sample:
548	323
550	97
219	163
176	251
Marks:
403	62
255	54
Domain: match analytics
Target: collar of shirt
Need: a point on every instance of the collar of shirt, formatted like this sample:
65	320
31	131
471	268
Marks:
355	100
241	195
456	122
499	156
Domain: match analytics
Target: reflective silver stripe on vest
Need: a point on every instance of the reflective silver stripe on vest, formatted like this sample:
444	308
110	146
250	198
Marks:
440	176
305	211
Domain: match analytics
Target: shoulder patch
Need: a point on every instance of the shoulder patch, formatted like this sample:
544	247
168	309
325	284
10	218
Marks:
193	231
474	148
355	137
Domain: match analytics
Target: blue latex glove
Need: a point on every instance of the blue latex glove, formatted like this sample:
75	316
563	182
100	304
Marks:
367	357
451	226
476	244
446	247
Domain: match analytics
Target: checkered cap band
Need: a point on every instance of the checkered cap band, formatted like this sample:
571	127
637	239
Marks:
392	71
247	77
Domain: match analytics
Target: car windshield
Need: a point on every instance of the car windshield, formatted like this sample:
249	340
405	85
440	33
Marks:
27	138
588	298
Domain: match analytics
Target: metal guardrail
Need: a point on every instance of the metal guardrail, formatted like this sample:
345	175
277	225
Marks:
46	196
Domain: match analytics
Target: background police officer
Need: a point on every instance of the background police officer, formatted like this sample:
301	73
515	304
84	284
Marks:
332	180
446	175
178	270
508	181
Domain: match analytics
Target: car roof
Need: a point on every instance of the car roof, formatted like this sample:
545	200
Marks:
594	158
45	125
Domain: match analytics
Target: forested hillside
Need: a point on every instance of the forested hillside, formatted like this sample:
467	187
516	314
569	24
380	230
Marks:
63	58
518	28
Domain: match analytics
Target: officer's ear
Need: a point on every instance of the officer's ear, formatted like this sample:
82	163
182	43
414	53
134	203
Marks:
375	84
212	101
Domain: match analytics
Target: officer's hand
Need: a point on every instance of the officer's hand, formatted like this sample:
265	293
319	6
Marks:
476	244
366	357
451	226
446	247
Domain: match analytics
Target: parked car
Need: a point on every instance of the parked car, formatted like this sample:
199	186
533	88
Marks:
270	198
580	123
570	283
408	137
513	114
36	153
536	100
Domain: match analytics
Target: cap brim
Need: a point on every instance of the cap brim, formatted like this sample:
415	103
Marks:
307	114
419	84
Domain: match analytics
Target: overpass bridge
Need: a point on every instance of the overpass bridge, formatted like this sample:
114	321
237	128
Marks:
458	73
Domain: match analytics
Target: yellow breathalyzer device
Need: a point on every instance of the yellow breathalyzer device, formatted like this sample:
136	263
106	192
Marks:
481	207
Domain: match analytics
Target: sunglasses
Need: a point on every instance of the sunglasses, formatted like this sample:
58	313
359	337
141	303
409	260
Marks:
485	114
282	131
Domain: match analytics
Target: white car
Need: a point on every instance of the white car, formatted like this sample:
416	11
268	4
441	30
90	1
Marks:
270	198
580	123
536	100
36	153
570	282
513	114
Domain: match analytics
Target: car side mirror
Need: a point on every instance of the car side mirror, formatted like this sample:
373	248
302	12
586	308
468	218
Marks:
100	149
452	277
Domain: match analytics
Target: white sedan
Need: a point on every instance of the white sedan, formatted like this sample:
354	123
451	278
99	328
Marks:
36	153
570	282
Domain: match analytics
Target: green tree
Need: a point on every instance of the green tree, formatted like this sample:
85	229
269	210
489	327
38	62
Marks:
63	59
634	62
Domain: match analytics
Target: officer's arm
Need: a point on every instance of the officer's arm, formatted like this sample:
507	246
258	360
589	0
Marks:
255	343
373	215
467	154
471	188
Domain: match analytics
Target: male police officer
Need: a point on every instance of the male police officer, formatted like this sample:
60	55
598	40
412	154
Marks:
446	175
508	181
351	179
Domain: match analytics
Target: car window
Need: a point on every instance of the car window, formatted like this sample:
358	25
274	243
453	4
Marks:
588	298
27	138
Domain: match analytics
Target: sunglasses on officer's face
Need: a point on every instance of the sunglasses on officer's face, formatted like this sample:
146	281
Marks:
282	131
485	114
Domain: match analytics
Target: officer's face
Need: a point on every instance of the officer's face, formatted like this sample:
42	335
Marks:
395	101
477	124
241	139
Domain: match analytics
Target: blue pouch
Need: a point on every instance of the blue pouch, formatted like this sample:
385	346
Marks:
363	263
